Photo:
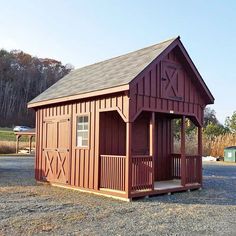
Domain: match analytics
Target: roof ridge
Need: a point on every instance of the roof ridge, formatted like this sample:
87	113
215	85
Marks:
171	39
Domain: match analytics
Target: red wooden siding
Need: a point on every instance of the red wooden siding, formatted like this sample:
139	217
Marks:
140	134
193	168
163	145
85	161
130	136
55	150
37	143
163	148
73	165
166	87
112	134
112	142
142	172
112	172
176	166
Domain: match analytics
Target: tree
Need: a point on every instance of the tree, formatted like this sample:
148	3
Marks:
23	77
190	128
210	117
212	130
212	127
230	123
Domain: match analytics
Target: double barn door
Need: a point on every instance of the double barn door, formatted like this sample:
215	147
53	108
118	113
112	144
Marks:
56	149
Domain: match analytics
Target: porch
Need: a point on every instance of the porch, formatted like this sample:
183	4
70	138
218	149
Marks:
135	161
113	175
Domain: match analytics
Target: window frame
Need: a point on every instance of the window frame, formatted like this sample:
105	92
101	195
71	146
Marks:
76	139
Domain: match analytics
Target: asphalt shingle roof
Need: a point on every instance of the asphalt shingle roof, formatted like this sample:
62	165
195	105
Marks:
110	73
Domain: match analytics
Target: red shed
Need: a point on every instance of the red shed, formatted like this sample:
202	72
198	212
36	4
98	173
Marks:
107	128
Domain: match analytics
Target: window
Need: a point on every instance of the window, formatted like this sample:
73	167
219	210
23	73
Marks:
82	131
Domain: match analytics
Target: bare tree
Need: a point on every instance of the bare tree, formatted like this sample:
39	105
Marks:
23	77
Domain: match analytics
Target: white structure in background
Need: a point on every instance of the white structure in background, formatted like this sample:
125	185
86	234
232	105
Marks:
209	158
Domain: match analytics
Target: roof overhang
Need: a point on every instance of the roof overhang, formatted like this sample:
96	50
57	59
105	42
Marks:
178	44
96	93
209	96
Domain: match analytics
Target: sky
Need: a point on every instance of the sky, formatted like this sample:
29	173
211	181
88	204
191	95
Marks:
84	32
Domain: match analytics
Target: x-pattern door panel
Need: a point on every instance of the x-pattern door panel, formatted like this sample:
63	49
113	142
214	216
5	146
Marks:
171	81
56	150
56	165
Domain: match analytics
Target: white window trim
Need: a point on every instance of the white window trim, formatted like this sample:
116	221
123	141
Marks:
88	130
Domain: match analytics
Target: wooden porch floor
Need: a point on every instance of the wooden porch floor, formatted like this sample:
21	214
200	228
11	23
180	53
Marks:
161	187
168	184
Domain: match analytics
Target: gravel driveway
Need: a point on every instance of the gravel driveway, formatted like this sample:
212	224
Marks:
30	209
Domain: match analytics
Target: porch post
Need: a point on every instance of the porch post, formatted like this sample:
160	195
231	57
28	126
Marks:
128	163
152	145
183	156
171	137
30	143
200	153
17	143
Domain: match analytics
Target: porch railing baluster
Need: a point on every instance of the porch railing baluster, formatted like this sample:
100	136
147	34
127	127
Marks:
142	172
192	167
112	172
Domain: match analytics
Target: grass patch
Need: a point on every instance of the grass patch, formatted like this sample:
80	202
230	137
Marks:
8	141
7	134
6	129
211	146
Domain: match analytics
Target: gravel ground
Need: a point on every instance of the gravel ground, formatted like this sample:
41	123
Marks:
30	209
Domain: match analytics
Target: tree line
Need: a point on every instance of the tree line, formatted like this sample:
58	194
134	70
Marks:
23	77
211	126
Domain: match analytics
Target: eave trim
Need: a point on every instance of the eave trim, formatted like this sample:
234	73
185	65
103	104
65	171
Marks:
80	96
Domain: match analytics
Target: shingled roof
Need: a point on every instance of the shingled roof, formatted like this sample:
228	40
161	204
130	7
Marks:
110	73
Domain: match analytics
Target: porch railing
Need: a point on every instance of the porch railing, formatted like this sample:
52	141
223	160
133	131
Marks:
112	172
142	172
193	167
193	170
176	166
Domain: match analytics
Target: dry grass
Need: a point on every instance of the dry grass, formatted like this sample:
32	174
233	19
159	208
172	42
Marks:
211	146
216	145
9	147
191	145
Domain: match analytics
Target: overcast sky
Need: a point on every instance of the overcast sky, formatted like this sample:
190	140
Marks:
84	32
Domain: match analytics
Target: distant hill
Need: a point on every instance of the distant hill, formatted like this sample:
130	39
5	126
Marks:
23	77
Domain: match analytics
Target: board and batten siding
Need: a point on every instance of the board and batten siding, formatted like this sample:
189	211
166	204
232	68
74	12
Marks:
76	166
130	143
151	90
112	134
162	163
